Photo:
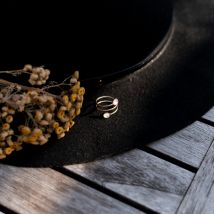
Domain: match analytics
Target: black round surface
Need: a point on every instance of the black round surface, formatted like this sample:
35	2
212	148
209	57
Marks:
96	37
172	91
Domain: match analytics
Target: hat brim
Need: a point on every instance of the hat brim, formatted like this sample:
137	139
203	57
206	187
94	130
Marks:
170	92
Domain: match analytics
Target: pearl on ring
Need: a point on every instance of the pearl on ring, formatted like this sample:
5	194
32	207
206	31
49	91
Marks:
115	102
106	115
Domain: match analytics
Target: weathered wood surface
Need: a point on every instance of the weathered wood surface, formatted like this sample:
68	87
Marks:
141	177
188	145
209	115
27	190
200	196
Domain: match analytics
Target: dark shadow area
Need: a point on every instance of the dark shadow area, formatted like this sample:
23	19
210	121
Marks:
96	37
172	92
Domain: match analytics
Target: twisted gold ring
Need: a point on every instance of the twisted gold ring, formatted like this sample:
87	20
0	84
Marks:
107	105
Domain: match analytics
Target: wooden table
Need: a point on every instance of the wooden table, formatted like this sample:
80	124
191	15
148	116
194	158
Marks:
171	175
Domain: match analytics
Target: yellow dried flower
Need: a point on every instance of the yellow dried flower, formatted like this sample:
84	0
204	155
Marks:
59	130
69	105
11	111
80	98
81	91
9	119
44	123
60	114
35	143
52	107
2	156
72	124
3	135
76	75
9	141
67	126
27	67
61	135
18	146
73	97
8	150
42	140
38	115
65	99
36	132
55	125
4	114
78	111
64	119
31	139
79	105
48	116
47	113
5	108
25	130
5	126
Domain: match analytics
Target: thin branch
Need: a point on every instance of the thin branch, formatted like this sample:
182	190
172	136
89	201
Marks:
25	88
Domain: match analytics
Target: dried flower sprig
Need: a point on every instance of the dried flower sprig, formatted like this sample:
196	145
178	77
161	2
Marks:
30	115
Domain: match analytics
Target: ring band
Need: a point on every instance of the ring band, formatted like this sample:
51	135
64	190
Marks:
107	105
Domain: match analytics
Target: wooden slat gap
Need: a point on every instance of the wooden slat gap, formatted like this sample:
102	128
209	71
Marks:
104	190
208	122
168	158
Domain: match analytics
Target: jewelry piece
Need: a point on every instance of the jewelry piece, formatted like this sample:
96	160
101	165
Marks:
107	105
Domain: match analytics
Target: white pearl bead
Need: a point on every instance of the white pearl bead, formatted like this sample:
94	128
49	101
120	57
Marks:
106	115
115	102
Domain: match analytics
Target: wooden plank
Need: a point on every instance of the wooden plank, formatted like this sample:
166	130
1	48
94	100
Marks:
209	115
200	196
141	177
188	145
27	190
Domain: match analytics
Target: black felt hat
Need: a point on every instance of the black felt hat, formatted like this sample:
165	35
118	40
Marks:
155	56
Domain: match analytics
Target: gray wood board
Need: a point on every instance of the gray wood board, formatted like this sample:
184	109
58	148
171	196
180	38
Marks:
28	190
200	196
141	177
209	115
188	145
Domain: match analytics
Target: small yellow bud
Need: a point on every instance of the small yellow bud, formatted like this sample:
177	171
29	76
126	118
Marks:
31	139
60	114
76	75
61	135
8	150
55	125
2	156
9	119
81	91
73	97
5	126
25	130
59	130
65	99
36	132
38	115
67	126
78	111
